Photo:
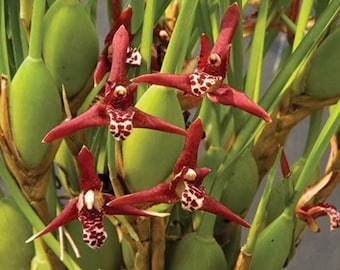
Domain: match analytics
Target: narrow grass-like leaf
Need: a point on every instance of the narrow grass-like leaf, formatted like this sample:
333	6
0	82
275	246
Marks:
146	41
4	61
137	16
253	79
14	22
235	69
304	14
179	42
203	19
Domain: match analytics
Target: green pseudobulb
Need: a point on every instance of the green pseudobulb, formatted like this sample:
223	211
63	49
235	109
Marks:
14	231
70	45
34	108
149	155
323	80
199	253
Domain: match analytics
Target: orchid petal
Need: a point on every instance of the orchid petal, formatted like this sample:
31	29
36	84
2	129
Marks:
226	95
102	67
213	206
228	28
204	53
201	173
69	213
144	120
96	116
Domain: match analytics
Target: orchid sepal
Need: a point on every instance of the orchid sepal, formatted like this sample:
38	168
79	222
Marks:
227	95
68	214
144	120
215	207
161	193
95	116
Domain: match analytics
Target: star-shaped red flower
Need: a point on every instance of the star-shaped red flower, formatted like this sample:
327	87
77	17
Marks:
309	212
118	111
207	80
90	206
186	185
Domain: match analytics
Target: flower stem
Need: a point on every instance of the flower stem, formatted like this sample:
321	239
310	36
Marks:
36	37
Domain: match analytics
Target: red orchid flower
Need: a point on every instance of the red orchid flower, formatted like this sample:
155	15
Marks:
133	56
186	185
90	206
309	212
211	71
118	111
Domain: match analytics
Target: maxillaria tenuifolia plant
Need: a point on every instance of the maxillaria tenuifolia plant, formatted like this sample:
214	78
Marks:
143	146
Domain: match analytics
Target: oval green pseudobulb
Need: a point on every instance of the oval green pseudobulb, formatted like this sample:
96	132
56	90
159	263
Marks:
196	252
149	155
14	231
70	45
273	244
108	257
241	181
34	108
323	80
